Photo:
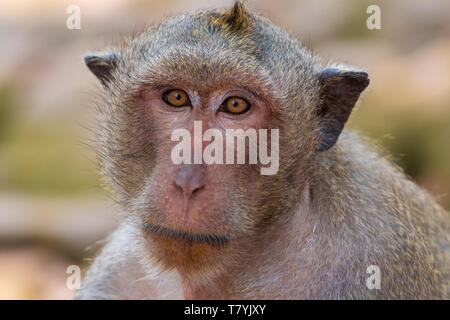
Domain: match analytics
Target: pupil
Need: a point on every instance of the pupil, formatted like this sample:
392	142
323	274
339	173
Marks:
235	103
177	96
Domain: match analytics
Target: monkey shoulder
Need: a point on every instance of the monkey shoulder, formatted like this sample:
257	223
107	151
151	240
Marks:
374	181
385	219
121	272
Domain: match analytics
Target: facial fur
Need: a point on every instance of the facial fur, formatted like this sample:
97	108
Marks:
210	55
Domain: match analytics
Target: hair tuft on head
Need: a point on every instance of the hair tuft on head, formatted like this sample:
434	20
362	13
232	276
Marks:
238	16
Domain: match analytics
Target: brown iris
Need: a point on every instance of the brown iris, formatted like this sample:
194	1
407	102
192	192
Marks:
176	98
236	105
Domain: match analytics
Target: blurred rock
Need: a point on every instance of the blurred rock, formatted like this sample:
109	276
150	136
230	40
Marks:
70	224
33	273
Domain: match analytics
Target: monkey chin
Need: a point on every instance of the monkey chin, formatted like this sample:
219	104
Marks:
192	254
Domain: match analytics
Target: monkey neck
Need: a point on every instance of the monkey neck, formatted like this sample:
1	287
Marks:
259	259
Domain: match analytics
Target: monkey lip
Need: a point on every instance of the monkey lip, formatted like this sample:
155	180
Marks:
199	238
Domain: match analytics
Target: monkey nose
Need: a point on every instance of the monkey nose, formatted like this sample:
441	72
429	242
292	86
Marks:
190	178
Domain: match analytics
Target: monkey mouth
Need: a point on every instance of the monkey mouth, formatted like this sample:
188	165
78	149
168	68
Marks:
198	238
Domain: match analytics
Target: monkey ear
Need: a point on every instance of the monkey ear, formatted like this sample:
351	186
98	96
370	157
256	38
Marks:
102	65
339	90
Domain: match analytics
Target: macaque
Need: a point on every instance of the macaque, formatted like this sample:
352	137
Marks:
311	229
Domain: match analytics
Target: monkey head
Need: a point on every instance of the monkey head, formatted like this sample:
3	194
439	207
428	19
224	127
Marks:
229	69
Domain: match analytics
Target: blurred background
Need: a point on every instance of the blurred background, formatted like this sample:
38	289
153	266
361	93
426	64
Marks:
53	210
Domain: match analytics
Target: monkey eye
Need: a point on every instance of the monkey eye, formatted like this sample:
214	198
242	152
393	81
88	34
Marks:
235	105
176	98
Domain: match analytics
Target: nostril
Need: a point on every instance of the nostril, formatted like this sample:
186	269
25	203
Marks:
198	189
177	185
189	180
188	189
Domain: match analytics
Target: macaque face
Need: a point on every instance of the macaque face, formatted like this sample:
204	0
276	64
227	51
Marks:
181	78
199	204
180	97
